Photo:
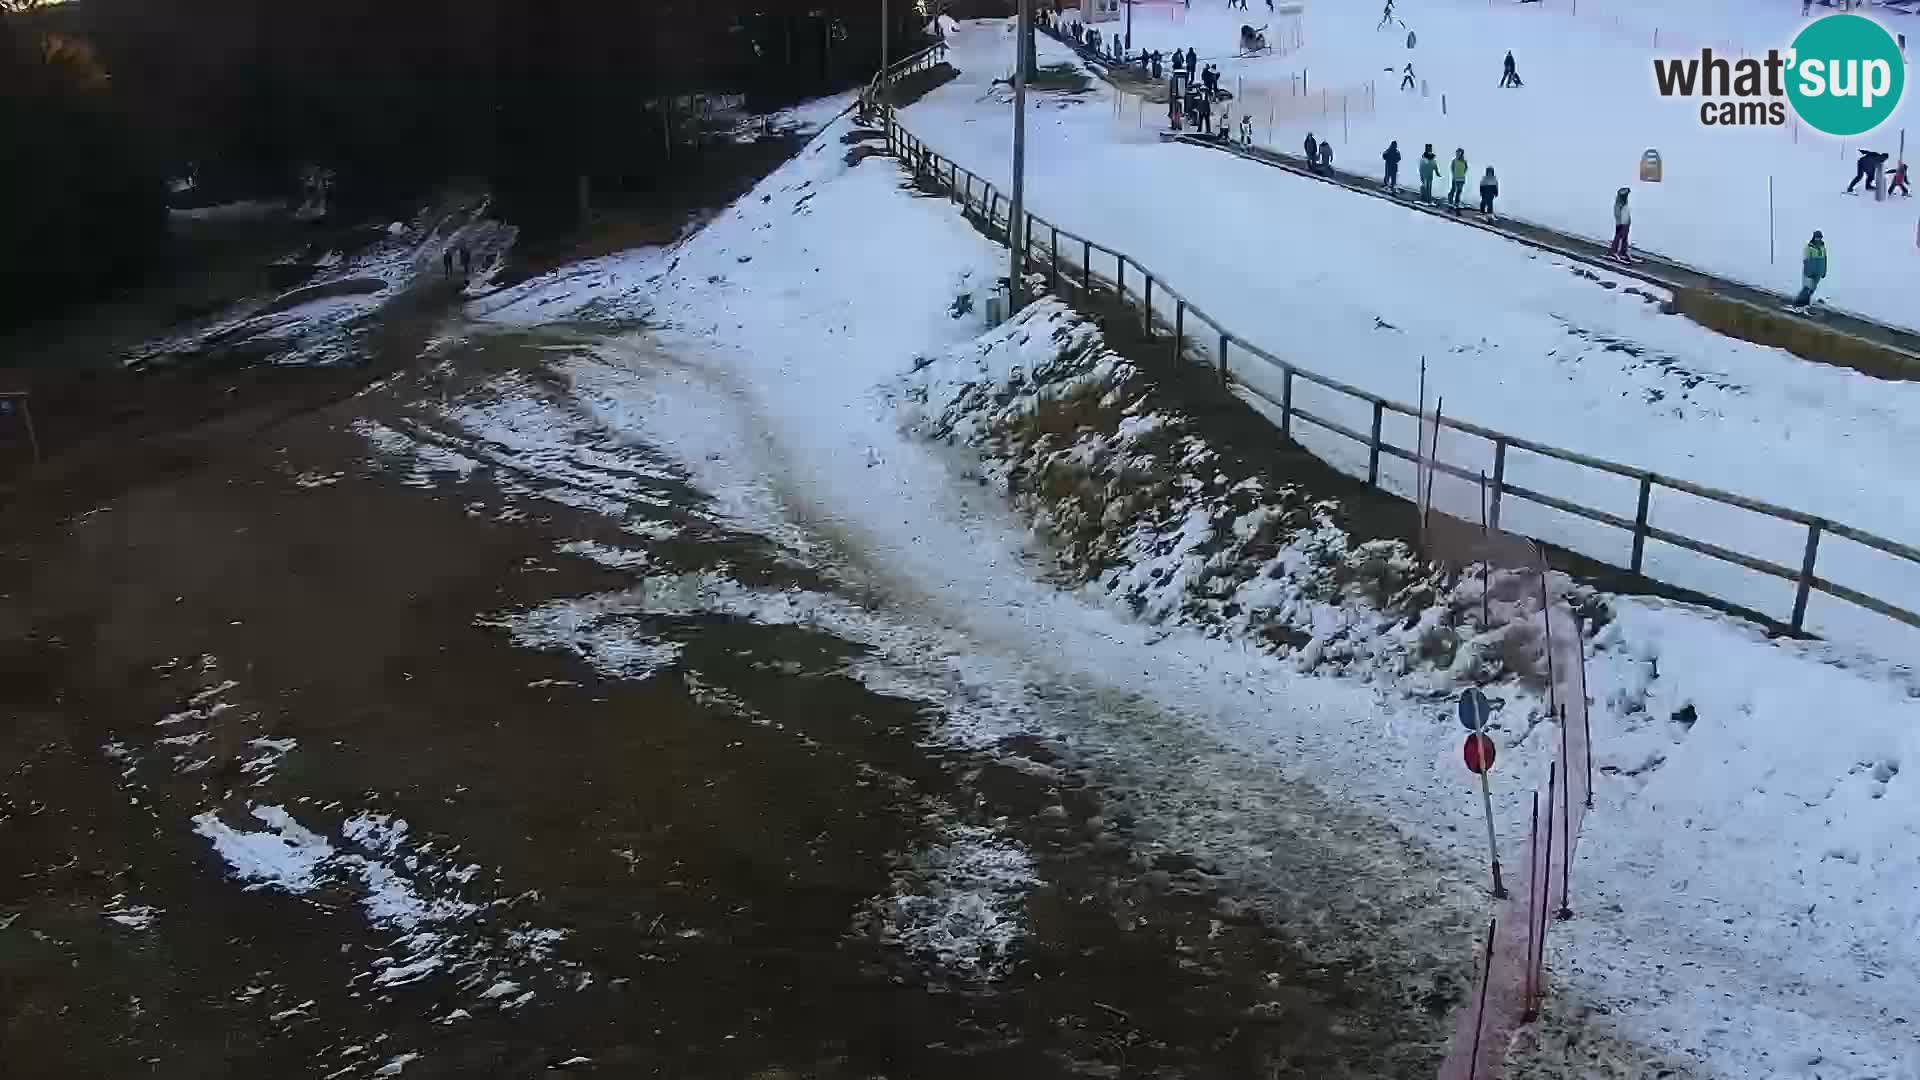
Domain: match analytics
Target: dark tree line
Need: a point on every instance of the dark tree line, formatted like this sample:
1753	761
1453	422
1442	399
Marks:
102	100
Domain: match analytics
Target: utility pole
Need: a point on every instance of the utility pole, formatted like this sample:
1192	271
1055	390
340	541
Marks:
883	46
1127	42
1016	209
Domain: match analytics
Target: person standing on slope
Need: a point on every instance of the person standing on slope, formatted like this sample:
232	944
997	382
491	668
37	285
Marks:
1193	60
1429	168
1898	181
1813	267
1509	75
1622	222
1392	158
1326	156
1406	80
1312	147
1458	168
1489	188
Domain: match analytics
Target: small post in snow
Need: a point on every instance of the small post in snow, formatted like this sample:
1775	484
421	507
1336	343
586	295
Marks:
1769	221
1479	753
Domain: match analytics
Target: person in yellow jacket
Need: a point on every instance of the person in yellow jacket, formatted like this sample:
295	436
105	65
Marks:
1459	172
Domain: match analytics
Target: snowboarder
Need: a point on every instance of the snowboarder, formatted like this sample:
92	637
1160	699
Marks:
1489	187
1406	80
1866	169
1458	168
1813	267
1429	168
1898	181
1509	75
1622	224
1326	156
1392	158
1313	153
1193	59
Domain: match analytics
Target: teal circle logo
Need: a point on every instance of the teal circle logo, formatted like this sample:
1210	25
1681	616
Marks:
1845	75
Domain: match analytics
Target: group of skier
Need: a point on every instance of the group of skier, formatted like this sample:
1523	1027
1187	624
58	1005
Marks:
1457	171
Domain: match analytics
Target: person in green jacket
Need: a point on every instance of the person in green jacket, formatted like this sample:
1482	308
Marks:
1459	169
1429	168
1813	267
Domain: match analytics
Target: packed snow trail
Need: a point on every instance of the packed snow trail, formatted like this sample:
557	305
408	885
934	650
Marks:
1515	340
1738	202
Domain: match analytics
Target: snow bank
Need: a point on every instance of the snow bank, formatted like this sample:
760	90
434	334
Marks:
1727	820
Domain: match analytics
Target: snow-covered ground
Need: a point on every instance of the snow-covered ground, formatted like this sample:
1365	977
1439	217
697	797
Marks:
1745	886
1575	132
1519	341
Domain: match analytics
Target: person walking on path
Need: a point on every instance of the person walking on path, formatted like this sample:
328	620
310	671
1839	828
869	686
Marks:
1489	187
1312	146
1813	268
1429	168
1898	181
1406	80
1458	167
446	262
1509	75
466	260
1622	223
1866	168
1326	156
1392	158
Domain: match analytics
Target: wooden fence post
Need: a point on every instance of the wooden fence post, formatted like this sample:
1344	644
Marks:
1806	574
1286	403
1053	261
1146	309
1499	482
1373	446
1640	522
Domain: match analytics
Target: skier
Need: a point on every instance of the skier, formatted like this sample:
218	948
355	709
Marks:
1429	168
1406	81
1246	129
1392	158
1622	223
1386	17
1326	156
1814	267
1509	75
1864	169
1489	187
1313	153
1898	181
1458	168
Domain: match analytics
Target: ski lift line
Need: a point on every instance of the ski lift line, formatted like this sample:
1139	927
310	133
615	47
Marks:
1641	530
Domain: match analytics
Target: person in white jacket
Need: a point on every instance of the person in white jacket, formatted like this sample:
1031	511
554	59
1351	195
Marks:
1622	222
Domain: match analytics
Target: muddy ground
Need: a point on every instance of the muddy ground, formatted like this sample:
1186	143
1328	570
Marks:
711	870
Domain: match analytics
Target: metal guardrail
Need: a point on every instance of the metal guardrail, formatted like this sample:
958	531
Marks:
979	198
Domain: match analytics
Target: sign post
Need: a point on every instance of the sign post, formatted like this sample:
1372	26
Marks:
1479	753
